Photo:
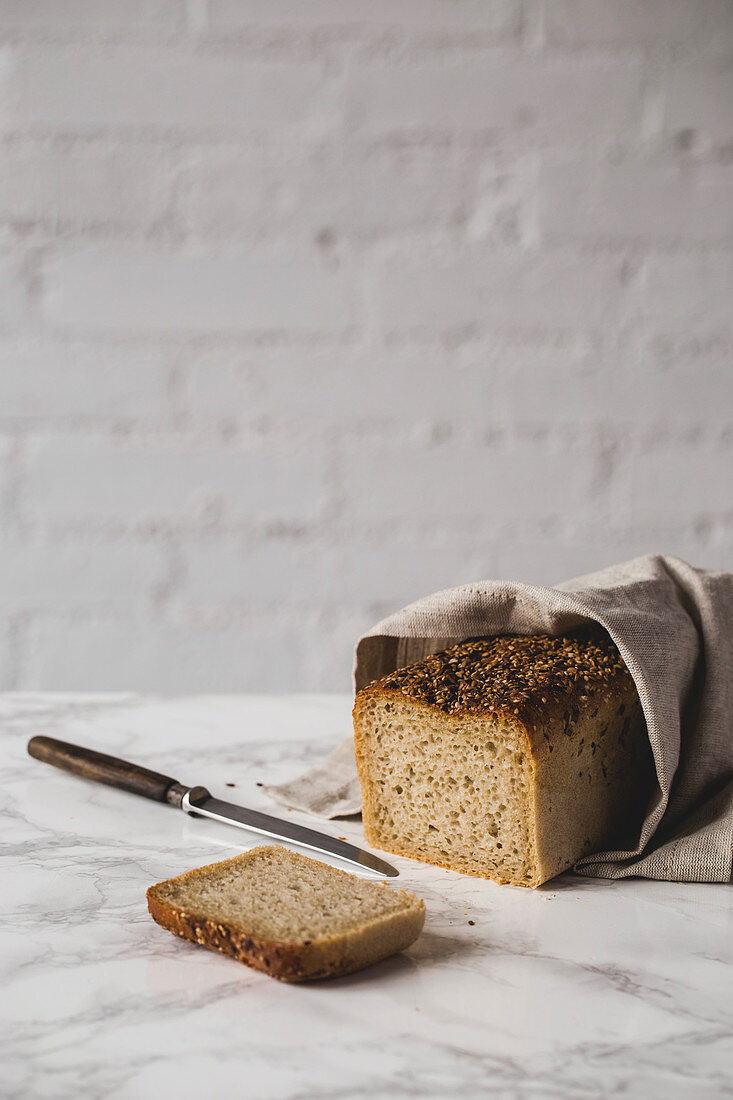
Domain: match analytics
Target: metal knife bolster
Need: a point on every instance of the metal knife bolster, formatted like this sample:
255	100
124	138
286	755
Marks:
178	795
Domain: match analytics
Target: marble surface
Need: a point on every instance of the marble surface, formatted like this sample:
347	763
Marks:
581	988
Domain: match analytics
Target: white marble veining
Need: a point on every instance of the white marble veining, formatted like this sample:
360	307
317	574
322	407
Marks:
582	988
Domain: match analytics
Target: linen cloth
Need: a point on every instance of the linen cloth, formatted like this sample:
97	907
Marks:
673	625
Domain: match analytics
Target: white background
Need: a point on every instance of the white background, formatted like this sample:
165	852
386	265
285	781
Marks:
310	308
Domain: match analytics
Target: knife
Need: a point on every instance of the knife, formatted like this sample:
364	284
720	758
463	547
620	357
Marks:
196	800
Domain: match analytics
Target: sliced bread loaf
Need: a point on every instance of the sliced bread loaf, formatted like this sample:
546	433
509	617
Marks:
507	757
285	914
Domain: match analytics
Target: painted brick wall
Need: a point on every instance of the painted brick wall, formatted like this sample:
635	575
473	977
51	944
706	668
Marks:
311	307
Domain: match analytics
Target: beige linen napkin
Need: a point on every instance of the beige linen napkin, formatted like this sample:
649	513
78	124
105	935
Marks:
673	625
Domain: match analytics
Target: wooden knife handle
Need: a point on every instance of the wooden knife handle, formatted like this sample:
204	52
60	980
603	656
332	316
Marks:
107	769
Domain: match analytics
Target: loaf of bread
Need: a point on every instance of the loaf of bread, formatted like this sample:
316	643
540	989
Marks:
285	914
508	757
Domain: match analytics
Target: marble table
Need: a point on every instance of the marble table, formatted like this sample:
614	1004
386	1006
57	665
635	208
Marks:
582	988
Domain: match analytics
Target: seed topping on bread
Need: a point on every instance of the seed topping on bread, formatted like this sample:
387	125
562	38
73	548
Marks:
518	673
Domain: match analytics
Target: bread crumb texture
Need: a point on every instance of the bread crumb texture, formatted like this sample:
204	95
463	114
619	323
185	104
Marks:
506	757
293	917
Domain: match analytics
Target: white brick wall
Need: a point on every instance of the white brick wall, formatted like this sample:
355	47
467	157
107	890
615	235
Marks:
308	308
89	15
157	91
705	306
45	186
295	192
513	97
468	16
651	23
73	480
456	482
44	379
427	292
638	199
154	291
13	290
38	577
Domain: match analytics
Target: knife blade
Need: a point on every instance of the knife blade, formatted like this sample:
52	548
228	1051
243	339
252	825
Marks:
266	825
197	801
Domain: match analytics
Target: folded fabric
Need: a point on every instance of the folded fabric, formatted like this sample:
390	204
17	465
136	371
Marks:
673	625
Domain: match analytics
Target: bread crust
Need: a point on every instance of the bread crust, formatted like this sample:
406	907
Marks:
532	703
305	960
582	794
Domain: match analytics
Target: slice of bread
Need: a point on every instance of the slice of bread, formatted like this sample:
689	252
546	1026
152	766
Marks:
285	914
